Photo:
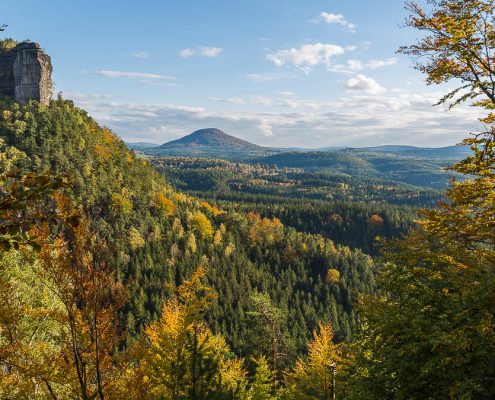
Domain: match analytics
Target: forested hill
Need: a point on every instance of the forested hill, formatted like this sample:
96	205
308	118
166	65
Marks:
210	142
385	165
159	236
212	137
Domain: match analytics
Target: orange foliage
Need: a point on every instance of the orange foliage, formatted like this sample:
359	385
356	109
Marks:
215	211
264	229
165	204
375	221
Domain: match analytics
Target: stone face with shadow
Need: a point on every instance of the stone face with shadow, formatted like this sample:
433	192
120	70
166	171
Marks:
25	73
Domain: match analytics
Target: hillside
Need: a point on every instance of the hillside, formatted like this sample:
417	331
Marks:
158	236
444	153
140	145
211	143
389	166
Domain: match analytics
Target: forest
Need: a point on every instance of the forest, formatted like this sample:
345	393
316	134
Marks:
130	277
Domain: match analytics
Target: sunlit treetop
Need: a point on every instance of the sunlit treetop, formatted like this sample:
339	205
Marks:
459	45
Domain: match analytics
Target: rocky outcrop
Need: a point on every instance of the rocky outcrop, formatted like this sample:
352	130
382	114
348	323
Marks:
25	73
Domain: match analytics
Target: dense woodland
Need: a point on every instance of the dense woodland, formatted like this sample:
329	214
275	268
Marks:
350	211
115	283
155	238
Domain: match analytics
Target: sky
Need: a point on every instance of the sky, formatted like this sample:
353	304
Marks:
281	73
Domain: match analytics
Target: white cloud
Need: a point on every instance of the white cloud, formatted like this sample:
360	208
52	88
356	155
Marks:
131	75
210	51
141	54
365	84
375	64
354	120
202	51
257	99
186	53
287	93
330	18
355	65
307	56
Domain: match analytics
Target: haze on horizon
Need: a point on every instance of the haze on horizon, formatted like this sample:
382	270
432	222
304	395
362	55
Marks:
282	73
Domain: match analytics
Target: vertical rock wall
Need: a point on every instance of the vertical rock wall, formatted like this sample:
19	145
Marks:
7	80
25	73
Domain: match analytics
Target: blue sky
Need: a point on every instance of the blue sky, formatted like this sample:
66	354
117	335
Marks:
283	73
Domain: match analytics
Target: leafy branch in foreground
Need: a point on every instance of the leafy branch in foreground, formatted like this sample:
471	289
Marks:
429	333
459	45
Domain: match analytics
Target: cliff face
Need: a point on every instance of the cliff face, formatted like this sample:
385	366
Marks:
25	73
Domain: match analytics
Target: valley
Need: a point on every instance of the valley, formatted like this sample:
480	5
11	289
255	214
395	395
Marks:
349	255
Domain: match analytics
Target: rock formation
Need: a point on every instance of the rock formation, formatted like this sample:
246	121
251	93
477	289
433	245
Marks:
25	73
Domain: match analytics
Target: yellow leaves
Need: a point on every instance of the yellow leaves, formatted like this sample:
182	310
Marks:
181	198
233	374
201	225
321	349
264	229
312	375
103	152
333	276
177	228
229	249
122	202
183	352
109	137
6	115
211	209
191	243
458	44
135	239
104	149
217	238
166	205
169	325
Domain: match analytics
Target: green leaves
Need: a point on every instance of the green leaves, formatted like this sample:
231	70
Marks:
24	206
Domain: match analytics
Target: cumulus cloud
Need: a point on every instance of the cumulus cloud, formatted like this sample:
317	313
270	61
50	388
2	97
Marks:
365	84
202	51
307	56
210	51
132	75
330	18
141	54
353	65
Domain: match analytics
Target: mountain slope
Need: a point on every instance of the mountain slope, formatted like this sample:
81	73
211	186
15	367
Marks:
140	145
158	236
211	143
390	166
212	137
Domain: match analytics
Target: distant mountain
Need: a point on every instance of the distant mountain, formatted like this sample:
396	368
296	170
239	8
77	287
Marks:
211	143
214	143
446	153
386	165
140	145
